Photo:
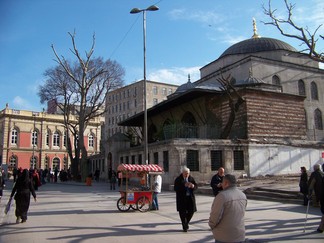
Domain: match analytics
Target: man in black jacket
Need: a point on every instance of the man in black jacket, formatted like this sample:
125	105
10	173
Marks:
185	185
315	183
216	181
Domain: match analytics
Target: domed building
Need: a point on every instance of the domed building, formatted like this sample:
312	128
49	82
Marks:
268	121
275	62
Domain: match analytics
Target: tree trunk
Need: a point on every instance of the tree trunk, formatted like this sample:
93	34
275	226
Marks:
234	109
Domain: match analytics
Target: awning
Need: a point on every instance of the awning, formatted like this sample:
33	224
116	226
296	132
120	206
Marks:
134	167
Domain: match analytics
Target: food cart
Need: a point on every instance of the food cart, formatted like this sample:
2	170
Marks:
136	193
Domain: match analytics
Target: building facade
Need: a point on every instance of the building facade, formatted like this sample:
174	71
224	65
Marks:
276	130
124	103
129	100
38	139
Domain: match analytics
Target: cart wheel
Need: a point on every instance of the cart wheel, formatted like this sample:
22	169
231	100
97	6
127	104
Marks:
133	206
122	205
143	204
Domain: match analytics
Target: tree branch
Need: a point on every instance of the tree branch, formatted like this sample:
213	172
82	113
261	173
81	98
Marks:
302	34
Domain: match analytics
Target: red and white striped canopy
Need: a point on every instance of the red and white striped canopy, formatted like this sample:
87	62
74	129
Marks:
133	167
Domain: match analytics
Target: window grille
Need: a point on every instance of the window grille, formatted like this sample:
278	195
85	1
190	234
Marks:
193	160
216	157
238	160
166	161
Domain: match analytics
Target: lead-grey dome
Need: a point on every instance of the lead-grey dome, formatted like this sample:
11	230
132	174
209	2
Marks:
254	45
185	87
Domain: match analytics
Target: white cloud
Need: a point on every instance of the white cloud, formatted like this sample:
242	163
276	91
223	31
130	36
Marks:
310	15
21	104
228	39
205	17
175	75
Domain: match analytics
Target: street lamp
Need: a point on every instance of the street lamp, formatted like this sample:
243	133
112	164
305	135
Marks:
34	139
135	11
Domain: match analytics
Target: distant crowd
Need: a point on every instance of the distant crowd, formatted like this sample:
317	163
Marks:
43	176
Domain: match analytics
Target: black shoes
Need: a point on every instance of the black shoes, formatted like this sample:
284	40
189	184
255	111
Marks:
319	230
185	229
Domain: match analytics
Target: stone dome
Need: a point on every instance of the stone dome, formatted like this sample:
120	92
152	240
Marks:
185	87
254	45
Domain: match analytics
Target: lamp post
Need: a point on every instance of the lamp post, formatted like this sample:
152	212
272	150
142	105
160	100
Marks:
135	11
34	139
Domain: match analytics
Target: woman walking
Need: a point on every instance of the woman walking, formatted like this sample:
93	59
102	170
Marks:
303	186
21	190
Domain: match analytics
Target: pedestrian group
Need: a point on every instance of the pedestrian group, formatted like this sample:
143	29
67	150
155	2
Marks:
226	219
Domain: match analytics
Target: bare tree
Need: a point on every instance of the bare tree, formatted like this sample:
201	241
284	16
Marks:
82	86
235	100
308	39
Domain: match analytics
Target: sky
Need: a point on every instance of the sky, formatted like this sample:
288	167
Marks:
181	37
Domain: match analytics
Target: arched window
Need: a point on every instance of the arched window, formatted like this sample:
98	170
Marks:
168	129
275	80
91	140
34	138
56	139
65	163
13	161
318	119
301	87
189	126
46	162
14	136
314	92
188	118
48	132
33	162
151	136
56	164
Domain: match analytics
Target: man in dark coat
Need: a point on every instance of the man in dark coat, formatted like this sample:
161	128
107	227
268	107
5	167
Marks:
184	186
315	183
216	181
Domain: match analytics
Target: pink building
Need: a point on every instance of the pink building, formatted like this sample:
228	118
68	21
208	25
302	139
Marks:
38	139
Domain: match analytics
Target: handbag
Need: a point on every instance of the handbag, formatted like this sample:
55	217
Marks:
8	206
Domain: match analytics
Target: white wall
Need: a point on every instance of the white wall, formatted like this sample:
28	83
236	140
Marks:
279	159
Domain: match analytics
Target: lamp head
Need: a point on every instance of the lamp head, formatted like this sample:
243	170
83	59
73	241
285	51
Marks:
152	8
135	10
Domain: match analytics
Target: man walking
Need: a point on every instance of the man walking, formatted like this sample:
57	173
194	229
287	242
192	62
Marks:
216	181
185	185
315	184
226	218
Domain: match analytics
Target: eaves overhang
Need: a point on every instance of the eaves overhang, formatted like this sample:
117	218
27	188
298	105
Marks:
173	100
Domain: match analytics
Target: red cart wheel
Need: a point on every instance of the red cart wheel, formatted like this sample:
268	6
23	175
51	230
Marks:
143	204
122	205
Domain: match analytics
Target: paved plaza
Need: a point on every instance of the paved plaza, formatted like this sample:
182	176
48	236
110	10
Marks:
77	213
